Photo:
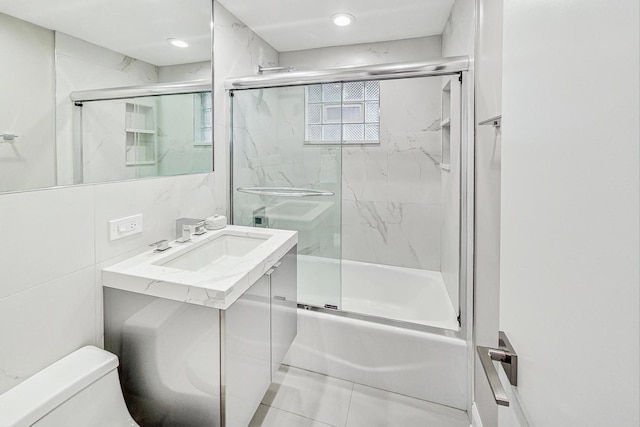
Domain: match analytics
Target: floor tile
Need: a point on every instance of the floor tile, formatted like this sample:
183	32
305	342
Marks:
267	416
310	395
371	407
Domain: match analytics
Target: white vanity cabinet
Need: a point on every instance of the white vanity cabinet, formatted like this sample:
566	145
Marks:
246	348
284	303
187	364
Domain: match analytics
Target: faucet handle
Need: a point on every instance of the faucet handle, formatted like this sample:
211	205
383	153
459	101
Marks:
161	245
186	234
199	228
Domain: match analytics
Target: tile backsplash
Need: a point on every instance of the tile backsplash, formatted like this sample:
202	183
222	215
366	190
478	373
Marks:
55	243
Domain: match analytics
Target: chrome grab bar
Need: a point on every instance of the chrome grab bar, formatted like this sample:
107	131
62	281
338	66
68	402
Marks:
284	191
508	358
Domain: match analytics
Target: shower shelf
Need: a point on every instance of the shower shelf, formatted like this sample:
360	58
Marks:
140	134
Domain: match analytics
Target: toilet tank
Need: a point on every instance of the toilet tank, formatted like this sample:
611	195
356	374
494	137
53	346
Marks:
81	389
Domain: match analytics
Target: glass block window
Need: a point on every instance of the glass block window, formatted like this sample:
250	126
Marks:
202	126
343	113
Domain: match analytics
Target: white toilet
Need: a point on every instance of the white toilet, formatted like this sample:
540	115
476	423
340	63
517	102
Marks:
81	389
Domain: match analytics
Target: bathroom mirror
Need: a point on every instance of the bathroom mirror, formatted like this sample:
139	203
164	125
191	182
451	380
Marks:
52	49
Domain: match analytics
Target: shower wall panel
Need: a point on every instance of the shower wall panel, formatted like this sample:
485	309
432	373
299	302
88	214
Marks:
391	191
269	151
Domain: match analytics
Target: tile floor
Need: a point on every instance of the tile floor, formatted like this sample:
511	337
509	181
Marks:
306	399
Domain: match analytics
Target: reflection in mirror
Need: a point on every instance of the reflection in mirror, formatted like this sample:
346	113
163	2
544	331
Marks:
145	137
57	48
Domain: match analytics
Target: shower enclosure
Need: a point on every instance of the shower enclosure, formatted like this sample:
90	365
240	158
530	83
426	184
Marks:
366	165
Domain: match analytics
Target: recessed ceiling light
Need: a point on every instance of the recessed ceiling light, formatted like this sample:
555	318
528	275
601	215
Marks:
178	43
343	19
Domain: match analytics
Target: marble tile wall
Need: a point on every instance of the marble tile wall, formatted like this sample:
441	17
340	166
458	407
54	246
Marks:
27	107
81	66
238	51
182	72
55	244
269	151
177	148
391	209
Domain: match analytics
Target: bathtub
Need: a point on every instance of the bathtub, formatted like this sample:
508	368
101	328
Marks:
399	293
429	363
424	365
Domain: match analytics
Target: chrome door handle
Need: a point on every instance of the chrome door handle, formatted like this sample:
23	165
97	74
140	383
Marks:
508	358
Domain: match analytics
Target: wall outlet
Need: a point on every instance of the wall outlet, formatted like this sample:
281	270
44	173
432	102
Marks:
123	227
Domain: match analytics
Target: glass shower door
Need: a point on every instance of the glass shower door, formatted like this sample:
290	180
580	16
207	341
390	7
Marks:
281	180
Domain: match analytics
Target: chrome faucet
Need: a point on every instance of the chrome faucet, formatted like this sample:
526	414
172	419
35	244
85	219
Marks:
185	227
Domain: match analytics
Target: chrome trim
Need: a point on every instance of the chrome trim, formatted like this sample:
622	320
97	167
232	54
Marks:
495	121
397	70
510	365
157	89
508	358
262	69
465	175
487	356
213	93
8	136
230	204
284	191
384	321
223	379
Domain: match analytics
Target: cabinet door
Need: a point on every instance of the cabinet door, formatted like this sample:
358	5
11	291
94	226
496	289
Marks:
284	305
247	351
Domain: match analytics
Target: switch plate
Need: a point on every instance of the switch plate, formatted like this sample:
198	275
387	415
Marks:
123	227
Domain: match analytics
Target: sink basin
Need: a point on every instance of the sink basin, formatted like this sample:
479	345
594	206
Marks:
222	249
213	269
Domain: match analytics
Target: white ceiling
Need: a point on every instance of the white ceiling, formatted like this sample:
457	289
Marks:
304	24
137	28
140	28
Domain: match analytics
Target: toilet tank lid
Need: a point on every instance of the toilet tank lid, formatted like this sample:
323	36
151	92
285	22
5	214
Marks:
38	395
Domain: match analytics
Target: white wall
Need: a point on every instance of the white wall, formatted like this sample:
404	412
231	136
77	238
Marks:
570	208
418	49
488	100
55	244
26	107
183	72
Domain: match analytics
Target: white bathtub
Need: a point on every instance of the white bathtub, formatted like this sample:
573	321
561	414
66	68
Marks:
399	293
426	365
423	365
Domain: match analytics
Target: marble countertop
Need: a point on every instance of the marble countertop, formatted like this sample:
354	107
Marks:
211	287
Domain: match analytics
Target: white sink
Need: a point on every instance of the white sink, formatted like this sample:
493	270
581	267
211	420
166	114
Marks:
214	269
223	249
